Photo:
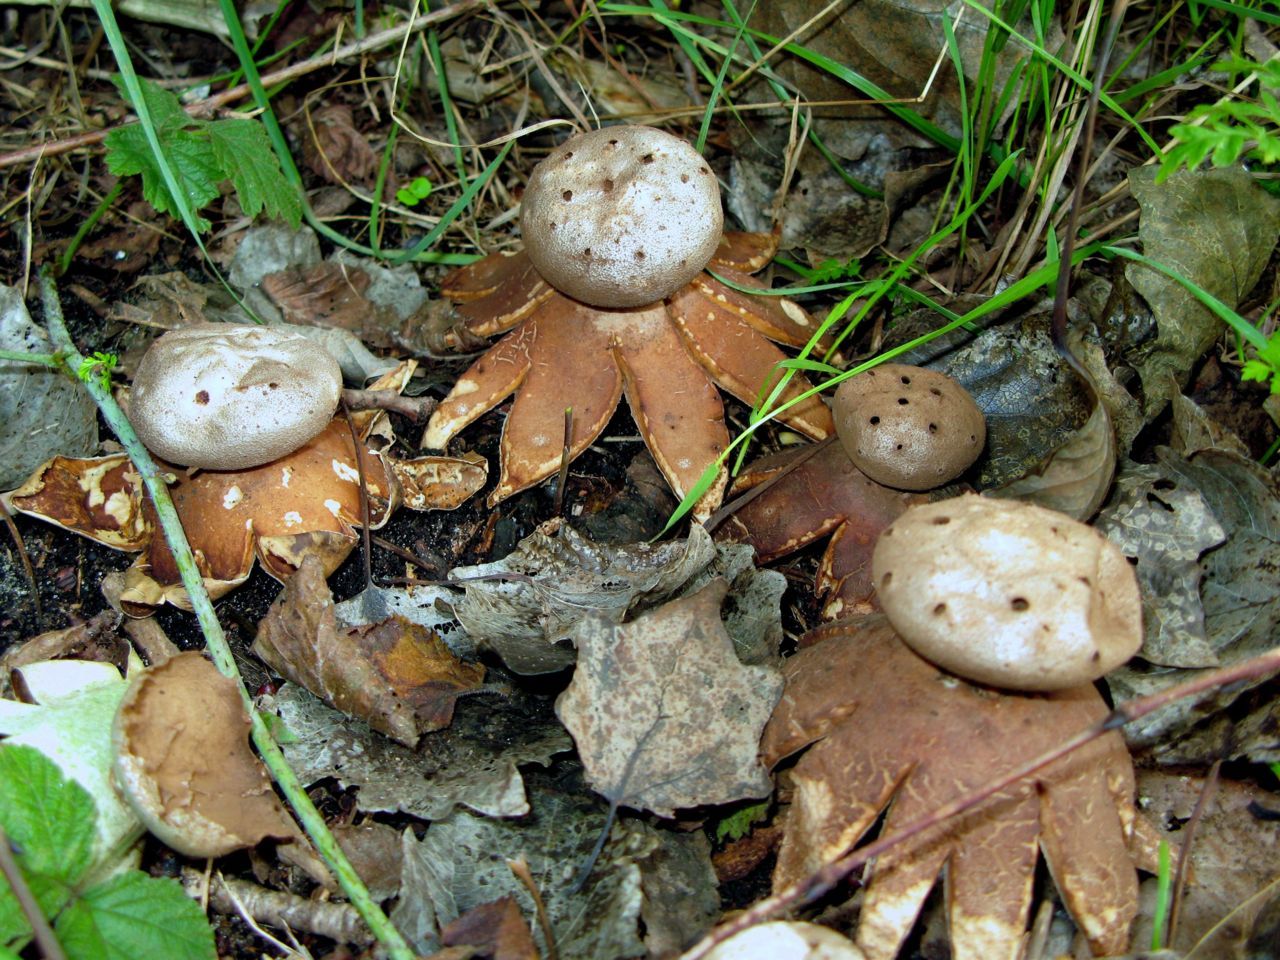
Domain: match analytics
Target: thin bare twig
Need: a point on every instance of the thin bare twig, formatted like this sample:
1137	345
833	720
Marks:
210	105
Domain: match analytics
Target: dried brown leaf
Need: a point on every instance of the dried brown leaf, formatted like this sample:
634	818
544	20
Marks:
394	674
664	714
497	930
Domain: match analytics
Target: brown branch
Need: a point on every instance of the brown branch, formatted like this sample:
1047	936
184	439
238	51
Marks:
210	105
416	409
826	877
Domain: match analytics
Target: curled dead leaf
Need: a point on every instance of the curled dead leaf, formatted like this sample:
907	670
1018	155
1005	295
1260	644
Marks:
183	761
394	674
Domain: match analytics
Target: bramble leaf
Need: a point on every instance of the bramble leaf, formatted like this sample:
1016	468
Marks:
134	915
242	150
49	822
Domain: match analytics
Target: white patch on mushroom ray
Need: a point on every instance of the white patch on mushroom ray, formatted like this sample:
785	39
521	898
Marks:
292	519
794	311
344	471
118	507
231	499
286	474
333	506
463	387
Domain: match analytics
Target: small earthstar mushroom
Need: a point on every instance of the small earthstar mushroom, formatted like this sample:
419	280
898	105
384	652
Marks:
908	427
220	396
1008	593
621	216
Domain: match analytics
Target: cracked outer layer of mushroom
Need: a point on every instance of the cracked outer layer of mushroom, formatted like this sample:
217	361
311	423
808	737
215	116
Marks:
638	212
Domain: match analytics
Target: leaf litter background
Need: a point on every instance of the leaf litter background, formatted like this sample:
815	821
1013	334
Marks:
1189	505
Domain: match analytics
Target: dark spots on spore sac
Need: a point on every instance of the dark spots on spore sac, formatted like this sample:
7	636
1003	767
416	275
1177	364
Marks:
906	381
587	253
202	398
941	521
886	579
273	386
939	609
933	428
567	195
684	178
935	391
1019	604
607	186
903	402
874	421
639	254
613	143
647	158
568	155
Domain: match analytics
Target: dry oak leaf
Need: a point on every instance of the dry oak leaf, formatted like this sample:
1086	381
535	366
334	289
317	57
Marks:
667	358
664	715
886	728
184	763
814	492
397	676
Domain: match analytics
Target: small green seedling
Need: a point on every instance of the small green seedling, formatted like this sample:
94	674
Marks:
1265	366
49	822
738	824
98	367
414	192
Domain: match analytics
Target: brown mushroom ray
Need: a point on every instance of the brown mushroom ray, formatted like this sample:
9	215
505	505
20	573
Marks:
889	729
563	354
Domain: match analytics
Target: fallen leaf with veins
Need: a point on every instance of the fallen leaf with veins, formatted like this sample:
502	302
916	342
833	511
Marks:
184	763
667	357
664	715
816	492
525	606
307	503
394	674
881	724
496	929
474	763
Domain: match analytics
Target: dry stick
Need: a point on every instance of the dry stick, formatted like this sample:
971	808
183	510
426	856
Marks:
416	409
209	105
565	457
27	569
40	929
1207	793
826	877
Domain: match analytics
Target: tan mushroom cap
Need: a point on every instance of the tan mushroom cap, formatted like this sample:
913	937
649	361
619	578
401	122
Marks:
224	396
1008	593
622	216
908	427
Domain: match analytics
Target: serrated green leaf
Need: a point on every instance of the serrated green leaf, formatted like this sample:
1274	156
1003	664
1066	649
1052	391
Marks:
166	110
134	915
1256	370
190	157
48	817
243	152
49	821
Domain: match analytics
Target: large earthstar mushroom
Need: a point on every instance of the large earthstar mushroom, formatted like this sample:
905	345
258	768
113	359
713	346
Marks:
609	296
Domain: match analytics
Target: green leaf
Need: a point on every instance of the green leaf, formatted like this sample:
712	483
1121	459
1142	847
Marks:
738	824
189	155
134	915
163	105
243	152
50	824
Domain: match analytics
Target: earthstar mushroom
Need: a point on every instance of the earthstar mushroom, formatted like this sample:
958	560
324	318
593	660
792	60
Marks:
665	343
1008	593
221	396
908	427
